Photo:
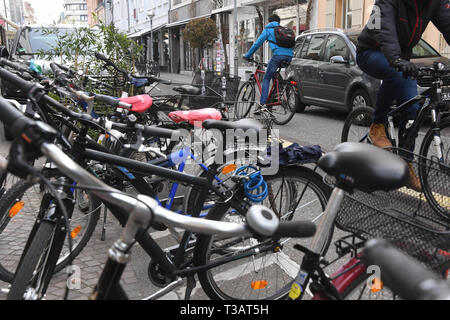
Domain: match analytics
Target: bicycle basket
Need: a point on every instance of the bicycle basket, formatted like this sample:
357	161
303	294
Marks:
213	89
404	217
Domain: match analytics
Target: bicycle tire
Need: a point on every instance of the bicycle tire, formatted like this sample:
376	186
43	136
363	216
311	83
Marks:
217	286
31	258
433	192
288	92
11	197
247	87
356	125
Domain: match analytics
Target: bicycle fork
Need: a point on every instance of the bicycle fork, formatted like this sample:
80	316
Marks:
312	257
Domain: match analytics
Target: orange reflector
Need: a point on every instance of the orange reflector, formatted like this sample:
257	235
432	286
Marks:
229	168
257	285
377	285
75	232
16	208
106	136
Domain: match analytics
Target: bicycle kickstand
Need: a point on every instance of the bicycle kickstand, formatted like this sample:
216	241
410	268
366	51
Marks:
191	284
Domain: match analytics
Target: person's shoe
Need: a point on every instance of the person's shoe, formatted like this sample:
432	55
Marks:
378	137
414	181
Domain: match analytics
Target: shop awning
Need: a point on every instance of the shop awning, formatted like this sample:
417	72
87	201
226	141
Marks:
223	9
183	22
145	31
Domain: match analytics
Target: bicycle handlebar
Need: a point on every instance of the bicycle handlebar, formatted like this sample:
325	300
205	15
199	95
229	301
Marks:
404	275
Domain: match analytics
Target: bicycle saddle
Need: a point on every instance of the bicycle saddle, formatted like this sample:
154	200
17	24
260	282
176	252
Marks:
365	167
140	103
243	124
195	116
188	89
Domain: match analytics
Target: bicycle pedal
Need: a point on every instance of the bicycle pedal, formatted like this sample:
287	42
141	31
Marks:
159	226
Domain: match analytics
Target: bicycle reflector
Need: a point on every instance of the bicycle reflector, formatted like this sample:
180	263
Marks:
377	285
229	168
257	285
15	209
75	231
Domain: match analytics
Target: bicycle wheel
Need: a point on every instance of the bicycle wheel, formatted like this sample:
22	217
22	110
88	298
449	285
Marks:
33	261
435	180
246	98
285	111
18	212
356	126
266	268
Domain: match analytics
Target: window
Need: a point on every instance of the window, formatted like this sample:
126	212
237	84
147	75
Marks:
305	47
336	46
83	18
298	47
315	47
347	10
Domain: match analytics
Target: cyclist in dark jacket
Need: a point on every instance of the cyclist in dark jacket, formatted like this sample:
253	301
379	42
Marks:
384	49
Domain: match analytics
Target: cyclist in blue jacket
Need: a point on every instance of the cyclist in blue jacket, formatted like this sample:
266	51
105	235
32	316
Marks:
280	54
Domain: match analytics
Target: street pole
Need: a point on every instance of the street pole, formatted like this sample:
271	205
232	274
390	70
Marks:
236	58
151	39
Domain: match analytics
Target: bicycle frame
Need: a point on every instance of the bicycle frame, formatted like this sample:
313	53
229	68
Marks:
274	89
430	101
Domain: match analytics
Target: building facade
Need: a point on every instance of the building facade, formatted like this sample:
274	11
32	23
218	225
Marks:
29	15
354	14
16	12
75	12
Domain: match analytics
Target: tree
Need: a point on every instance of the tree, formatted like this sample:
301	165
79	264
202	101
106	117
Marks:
201	33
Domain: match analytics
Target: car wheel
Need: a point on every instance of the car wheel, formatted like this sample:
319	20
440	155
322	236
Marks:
358	99
300	106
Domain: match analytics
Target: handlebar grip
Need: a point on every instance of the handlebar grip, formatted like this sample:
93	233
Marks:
16	81
16	66
152	131
295	229
401	273
13	118
114	102
100	56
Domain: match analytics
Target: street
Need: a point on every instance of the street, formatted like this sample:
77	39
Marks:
316	126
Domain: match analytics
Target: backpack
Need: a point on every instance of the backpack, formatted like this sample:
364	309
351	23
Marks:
285	37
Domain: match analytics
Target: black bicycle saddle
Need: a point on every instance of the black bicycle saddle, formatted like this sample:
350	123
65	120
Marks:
188	89
365	167
243	124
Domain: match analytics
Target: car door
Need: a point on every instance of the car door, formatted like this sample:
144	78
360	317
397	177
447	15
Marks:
335	77
311	58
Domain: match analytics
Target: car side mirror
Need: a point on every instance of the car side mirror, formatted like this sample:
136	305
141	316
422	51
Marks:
4	52
338	59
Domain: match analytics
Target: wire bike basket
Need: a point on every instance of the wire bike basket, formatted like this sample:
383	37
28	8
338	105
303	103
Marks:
216	87
404	217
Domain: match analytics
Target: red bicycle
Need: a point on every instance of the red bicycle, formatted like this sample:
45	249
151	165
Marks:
282	99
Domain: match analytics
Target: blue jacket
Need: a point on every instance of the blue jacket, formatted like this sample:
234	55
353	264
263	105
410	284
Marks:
269	35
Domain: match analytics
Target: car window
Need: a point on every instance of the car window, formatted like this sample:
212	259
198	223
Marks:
305	47
315	47
336	46
35	40
424	50
298	47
